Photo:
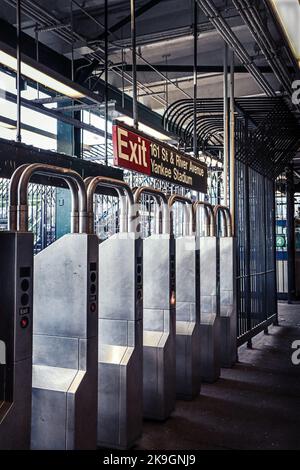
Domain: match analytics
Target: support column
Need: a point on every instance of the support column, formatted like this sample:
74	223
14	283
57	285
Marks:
19	78
134	77
276	322
195	143
106	79
290	219
226	127
232	145
247	241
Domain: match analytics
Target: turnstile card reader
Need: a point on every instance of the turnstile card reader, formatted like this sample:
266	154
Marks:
210	355
120	361
159	320
187	306
16	279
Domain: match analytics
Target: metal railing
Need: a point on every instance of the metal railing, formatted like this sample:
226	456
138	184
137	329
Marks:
256	270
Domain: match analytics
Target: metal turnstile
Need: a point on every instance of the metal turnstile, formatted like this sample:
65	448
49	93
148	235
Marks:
159	319
187	305
210	356
16	278
227	262
64	374
120	363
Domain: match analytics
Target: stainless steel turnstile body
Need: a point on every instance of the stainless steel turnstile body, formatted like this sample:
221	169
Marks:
159	318
64	372
188	378
159	327
210	341
228	315
187	305
16	270
227	260
120	361
120	342
64	384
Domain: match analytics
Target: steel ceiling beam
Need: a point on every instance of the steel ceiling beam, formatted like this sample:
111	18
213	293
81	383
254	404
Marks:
126	20
173	68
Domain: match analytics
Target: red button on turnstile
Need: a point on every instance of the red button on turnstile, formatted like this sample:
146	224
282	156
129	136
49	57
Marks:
24	322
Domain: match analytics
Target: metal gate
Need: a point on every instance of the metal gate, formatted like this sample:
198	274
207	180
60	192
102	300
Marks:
42	202
256	271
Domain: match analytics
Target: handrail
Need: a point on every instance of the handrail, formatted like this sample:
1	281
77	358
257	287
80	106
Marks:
209	217
226	219
188	213
72	178
162	203
124	193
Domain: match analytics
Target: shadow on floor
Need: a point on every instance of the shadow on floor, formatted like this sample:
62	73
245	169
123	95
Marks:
254	405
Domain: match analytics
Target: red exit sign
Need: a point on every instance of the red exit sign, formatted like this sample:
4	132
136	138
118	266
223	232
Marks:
131	150
136	151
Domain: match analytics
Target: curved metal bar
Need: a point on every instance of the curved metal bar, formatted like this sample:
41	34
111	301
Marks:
13	198
210	230
162	202
226	219
188	213
75	183
125	196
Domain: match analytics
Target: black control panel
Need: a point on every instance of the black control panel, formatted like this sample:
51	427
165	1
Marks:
24	294
172	274
197	270
93	287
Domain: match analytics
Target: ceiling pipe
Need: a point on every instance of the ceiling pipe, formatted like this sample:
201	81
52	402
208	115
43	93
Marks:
31	10
230	38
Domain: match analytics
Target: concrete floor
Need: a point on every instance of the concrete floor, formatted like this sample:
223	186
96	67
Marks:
255	405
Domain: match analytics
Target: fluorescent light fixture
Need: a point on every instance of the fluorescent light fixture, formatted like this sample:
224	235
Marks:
7	123
39	76
288	14
146	129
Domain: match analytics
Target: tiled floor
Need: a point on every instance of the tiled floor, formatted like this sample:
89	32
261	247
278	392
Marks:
255	405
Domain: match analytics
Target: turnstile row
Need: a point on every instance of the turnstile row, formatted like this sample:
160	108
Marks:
164	308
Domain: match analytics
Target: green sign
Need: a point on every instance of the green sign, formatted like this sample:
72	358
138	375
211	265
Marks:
280	241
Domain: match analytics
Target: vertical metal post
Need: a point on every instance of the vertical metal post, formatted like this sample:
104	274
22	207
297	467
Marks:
72	44
195	146
290	233
232	144
226	126
165	56
72	71
276	322
265	268
123	80
37	56
134	78
106	78
247	241
19	78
